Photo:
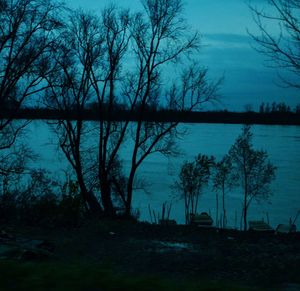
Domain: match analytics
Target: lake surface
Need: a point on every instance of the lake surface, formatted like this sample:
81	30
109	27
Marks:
281	142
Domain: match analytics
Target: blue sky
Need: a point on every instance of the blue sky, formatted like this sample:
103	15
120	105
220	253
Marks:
227	50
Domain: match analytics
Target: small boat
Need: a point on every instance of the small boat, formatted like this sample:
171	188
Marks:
286	228
202	220
260	225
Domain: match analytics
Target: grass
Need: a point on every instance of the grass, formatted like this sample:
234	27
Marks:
81	277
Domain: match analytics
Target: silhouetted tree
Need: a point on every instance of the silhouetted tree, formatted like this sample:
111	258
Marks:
224	180
153	39
78	50
283	108
13	165
248	108
193	177
273	107
90	60
276	107
160	39
107	83
254	171
282	49
262	108
27	31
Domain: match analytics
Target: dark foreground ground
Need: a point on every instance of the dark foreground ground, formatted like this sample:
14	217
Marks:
118	255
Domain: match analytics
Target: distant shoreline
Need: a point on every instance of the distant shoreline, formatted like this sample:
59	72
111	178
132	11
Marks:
225	117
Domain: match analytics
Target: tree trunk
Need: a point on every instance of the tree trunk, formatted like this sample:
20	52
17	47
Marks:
93	203
129	194
186	208
245	217
107	203
245	196
88	196
224	209
217	209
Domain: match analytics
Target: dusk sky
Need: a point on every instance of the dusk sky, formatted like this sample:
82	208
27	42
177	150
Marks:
226	50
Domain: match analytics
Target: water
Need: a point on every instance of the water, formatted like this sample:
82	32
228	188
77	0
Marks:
281	142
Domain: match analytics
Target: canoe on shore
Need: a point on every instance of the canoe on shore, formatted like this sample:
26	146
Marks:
202	220
261	226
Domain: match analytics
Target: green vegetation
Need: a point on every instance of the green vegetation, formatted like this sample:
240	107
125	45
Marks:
81	276
41	201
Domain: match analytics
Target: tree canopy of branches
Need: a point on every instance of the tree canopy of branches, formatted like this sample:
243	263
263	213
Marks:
27	33
193	177
77	52
283	49
253	169
27	29
88	70
161	39
121	58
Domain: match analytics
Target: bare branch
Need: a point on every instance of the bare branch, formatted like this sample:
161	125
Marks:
283	49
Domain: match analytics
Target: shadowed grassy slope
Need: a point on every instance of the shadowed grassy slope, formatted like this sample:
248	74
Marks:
50	276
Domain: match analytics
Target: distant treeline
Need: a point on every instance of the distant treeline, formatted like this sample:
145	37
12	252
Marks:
269	117
278	107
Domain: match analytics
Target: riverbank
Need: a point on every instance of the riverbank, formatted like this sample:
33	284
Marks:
221	117
175	253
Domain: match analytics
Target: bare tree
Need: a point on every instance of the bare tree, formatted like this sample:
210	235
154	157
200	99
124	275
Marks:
90	59
253	169
78	50
13	165
193	177
27	29
107	82
283	48
223	180
156	41
160	40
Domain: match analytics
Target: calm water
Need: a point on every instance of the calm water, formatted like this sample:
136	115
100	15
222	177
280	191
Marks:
281	142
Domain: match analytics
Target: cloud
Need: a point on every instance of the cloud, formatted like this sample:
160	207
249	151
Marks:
227	37
247	79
